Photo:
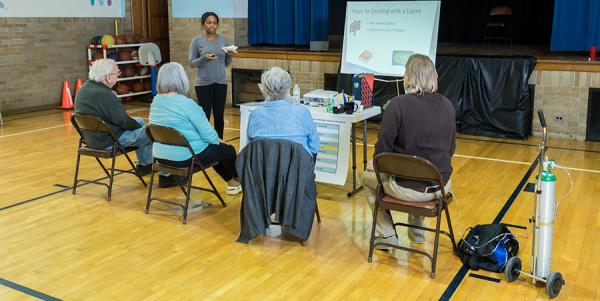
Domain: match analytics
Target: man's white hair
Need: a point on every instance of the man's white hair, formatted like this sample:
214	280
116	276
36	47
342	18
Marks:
275	84
101	68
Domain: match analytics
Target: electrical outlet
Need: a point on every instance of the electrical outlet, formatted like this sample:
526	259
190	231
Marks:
558	118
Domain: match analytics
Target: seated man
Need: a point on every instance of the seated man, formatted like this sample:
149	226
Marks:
97	98
279	118
419	123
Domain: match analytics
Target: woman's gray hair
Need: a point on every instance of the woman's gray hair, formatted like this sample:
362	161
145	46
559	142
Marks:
420	76
172	78
275	84
101	68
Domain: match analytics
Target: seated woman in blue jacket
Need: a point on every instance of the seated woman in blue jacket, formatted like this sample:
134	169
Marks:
173	109
279	118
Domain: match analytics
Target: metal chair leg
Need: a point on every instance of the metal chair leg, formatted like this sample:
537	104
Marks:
133	168
317	213
436	244
104	169
112	176
450	228
76	173
149	198
372	240
187	197
214	188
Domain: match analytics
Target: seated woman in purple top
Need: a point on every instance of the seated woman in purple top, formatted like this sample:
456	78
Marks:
279	118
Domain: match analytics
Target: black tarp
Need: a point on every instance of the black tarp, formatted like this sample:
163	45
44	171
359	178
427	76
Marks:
491	95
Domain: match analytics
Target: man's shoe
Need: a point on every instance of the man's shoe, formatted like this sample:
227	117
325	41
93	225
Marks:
143	170
393	240
416	236
169	181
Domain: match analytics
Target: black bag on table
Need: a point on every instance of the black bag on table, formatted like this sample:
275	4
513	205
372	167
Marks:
488	247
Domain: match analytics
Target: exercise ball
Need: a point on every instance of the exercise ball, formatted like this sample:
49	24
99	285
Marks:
108	40
138	87
113	56
128	71
125	55
122	88
97	55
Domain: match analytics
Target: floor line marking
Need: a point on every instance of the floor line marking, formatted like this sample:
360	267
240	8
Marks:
67	188
462	272
57	126
27	291
33	131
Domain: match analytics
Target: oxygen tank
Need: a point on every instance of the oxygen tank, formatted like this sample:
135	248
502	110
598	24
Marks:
546	216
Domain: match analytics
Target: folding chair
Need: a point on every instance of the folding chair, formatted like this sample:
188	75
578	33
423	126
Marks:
170	136
417	169
262	197
499	24
93	124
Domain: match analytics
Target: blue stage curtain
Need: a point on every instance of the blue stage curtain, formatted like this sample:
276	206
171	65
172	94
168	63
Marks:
287	22
576	25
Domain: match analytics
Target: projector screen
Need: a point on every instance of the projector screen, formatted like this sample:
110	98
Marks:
380	36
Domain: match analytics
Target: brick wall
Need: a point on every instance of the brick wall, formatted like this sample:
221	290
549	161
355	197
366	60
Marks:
38	54
309	75
564	94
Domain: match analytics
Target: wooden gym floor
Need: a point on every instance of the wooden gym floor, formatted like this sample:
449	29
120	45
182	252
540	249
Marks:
81	247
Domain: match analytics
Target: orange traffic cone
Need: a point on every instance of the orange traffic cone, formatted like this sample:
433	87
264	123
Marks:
66	101
77	86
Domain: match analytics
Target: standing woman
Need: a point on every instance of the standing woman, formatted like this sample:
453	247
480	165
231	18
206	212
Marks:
211	83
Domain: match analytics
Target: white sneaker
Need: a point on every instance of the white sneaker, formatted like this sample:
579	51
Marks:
233	190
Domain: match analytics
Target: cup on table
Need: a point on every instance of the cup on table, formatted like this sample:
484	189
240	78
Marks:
359	106
350	107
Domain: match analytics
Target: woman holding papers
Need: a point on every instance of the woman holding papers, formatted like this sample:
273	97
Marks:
210	53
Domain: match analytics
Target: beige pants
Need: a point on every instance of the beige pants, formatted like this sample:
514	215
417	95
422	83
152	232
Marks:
385	224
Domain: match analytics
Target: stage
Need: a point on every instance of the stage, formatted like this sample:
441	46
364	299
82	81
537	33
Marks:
560	83
546	60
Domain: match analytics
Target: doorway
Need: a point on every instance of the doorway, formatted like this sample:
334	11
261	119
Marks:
151	19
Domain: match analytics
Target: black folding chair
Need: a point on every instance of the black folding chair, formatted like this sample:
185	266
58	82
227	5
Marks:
417	169
93	124
170	136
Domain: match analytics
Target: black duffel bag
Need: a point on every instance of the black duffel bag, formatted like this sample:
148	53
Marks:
487	247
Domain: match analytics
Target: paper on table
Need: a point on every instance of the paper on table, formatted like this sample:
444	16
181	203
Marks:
229	48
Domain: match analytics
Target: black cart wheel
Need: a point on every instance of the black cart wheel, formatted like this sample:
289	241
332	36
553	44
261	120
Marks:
512	269
554	284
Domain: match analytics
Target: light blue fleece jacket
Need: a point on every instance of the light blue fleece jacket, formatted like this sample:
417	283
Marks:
186	116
